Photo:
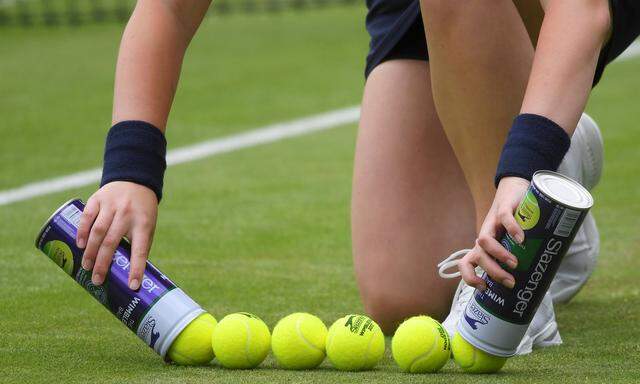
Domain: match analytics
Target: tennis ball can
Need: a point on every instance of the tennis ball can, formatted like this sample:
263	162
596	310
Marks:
551	212
157	312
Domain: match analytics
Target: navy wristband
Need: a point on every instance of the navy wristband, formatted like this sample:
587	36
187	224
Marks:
135	151
534	143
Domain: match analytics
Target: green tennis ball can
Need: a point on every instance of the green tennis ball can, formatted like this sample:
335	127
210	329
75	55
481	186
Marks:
550	214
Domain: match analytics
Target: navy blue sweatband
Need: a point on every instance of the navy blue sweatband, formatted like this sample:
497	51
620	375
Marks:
135	151
534	143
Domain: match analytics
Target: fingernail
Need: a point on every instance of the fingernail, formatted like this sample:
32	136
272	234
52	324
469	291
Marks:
96	279
519	238
508	283
134	284
87	264
80	243
512	263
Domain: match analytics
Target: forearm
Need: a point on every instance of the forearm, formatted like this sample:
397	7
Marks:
150	58
572	35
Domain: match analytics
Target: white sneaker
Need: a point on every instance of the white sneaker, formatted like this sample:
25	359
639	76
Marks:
542	332
583	163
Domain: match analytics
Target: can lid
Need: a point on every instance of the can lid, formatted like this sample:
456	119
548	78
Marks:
563	190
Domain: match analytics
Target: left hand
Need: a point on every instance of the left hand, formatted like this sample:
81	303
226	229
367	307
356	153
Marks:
488	251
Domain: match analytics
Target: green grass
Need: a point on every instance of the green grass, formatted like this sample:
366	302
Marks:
78	12
265	229
240	71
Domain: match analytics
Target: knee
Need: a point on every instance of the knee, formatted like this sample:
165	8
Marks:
389	309
384	310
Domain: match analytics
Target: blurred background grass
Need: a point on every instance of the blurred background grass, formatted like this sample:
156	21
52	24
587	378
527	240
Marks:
29	13
240	71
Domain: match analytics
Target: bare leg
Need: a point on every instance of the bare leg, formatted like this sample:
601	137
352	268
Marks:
480	56
411	206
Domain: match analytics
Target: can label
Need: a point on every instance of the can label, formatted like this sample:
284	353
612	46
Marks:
156	312
497	318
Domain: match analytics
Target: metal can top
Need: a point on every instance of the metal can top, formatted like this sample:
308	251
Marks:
563	190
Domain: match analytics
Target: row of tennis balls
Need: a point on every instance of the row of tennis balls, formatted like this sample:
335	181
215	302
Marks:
301	341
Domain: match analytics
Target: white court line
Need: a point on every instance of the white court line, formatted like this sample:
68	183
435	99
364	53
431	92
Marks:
264	135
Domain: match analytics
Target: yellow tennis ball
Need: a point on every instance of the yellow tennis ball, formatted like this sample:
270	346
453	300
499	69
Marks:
421	345
298	341
355	343
472	359
241	340
193	344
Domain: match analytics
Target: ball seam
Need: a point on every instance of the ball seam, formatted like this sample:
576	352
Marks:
301	335
427	353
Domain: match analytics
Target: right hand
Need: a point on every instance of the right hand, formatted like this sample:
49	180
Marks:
118	209
488	251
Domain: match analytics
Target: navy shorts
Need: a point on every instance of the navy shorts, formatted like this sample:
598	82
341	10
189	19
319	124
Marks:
397	32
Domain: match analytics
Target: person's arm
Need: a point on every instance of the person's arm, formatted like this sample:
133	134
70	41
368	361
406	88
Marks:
148	68
151	54
572	36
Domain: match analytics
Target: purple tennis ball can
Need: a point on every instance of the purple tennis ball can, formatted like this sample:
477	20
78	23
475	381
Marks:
157	312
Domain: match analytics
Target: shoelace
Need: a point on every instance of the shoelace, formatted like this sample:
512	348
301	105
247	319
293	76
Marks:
450	262
464	291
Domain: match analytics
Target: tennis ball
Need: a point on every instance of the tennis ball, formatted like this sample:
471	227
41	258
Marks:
241	340
355	343
193	344
421	345
61	254
298	341
472	359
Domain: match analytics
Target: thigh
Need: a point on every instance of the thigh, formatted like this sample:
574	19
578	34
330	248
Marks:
411	206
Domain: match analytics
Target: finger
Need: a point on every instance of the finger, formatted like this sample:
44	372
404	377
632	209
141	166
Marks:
492	247
509	223
98	231
87	218
468	272
107	248
494	271
140	245
490	225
